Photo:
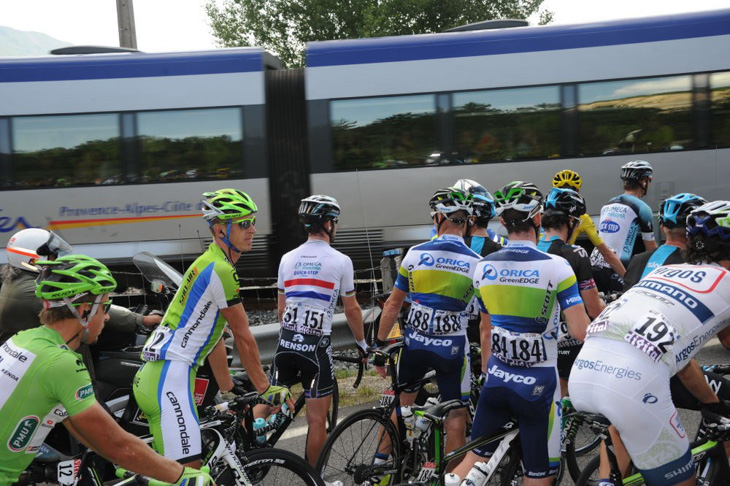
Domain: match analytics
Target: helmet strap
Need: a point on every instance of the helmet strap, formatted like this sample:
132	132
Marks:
227	240
330	232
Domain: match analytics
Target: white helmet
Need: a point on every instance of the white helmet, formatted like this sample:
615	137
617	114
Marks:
31	244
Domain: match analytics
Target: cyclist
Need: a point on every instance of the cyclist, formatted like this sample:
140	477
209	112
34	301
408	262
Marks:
437	277
651	333
568	179
192	327
673	213
622	219
481	240
19	307
523	289
560	220
311	277
44	381
478	236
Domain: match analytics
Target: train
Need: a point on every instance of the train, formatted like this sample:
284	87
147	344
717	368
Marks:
113	151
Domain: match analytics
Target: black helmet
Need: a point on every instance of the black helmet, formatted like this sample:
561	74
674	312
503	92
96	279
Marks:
565	201
319	208
482	201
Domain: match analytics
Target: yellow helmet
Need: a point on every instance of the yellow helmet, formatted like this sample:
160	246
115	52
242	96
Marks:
567	178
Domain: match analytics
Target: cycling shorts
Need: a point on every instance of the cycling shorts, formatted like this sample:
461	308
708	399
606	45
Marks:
447	355
566	358
532	396
617	380
683	398
307	359
164	392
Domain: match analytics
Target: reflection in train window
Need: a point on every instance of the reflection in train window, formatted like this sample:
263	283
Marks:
61	151
635	116
720	89
380	133
190	144
508	124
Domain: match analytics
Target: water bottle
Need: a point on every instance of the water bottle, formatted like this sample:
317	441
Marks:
452	479
477	476
258	424
409	421
422	423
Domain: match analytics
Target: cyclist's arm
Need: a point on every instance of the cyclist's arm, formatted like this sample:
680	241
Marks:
248	351
612	259
353	313
577	320
594	304
650	245
694	380
485	334
281	306
97	429
391	310
218	360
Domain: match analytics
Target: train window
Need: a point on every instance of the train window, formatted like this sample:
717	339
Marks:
507	124
720	88
381	133
183	145
65	150
635	116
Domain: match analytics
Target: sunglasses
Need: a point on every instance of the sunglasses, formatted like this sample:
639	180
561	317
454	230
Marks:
245	224
107	305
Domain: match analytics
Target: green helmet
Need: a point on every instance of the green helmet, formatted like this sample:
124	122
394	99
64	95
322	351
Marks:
227	204
72	276
523	197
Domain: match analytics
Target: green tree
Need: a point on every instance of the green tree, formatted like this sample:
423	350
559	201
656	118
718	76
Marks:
285	26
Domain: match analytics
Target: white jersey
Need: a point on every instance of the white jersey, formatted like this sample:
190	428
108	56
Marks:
670	314
311	277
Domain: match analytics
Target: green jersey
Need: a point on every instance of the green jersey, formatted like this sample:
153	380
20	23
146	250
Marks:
42	382
193	324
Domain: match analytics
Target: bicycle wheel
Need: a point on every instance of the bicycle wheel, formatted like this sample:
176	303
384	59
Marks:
584	442
275	467
334	408
348	454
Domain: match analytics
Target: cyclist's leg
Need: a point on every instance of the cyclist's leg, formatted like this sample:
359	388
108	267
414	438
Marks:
164	392
318	380
491	414
453	376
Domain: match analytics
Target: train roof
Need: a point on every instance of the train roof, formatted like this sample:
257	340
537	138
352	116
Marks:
517	40
136	65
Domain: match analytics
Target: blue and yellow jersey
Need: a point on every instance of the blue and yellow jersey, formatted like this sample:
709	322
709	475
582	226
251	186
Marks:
524	289
438	277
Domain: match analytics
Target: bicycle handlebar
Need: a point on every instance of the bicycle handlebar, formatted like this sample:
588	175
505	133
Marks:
361	364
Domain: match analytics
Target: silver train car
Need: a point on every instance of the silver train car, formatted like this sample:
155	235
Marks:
113	151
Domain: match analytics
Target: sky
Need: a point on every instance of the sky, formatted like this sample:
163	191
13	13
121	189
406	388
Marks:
180	25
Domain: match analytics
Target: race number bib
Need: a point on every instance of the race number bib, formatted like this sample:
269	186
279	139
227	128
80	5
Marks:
517	348
653	335
565	340
152	350
303	319
434	321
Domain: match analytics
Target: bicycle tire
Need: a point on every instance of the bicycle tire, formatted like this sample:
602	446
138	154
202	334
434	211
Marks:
571	452
350	449
275	466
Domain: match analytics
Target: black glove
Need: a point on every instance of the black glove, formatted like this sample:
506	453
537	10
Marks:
379	360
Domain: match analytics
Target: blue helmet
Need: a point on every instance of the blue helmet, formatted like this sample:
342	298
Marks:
482	201
674	210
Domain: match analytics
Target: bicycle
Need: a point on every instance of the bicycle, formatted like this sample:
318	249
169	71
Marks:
228	451
708	455
278	424
579	439
348	455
